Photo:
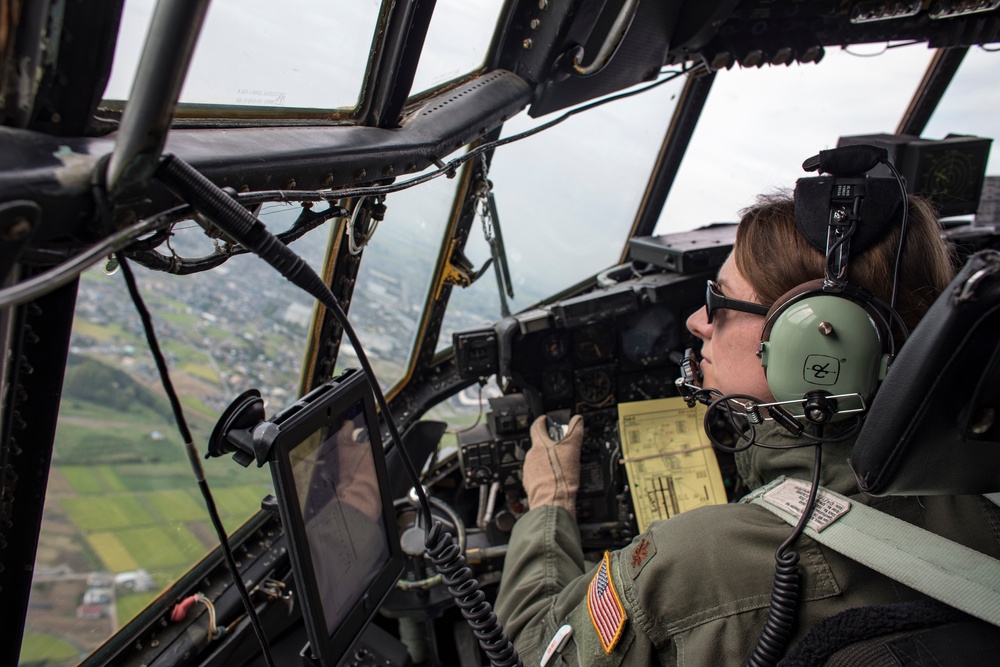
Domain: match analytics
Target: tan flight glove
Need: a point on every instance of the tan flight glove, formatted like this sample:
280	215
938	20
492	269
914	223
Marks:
552	469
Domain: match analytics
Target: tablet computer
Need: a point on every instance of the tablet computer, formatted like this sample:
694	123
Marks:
330	482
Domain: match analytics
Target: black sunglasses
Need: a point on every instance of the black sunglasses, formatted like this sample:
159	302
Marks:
714	300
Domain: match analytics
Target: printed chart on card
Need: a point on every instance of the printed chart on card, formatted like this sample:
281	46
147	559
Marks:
668	459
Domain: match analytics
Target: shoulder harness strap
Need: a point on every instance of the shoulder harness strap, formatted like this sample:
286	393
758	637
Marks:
945	570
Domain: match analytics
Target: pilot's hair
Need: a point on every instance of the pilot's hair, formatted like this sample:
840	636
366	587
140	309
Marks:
773	257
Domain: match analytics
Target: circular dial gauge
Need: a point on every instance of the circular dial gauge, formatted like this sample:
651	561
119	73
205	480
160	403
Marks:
556	383
593	385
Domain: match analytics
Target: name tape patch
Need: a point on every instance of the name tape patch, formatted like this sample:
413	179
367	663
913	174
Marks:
605	607
792	495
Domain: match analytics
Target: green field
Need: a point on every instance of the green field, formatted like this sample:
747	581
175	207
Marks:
177	505
124	496
162	546
38	648
147	530
130	604
102	333
114	556
92	479
97	513
199	368
236	501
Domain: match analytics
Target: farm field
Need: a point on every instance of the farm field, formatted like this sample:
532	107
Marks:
122	499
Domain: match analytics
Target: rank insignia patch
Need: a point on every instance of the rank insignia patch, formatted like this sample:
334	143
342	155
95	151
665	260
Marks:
641	553
606	611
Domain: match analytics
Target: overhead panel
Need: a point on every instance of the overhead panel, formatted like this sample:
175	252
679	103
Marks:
627	38
779	32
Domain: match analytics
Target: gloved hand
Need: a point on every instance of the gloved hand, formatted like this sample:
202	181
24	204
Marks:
551	473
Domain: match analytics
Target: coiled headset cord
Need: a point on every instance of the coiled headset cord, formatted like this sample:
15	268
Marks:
236	221
785	594
450	563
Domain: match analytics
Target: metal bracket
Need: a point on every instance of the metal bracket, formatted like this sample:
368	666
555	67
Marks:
459	271
18	224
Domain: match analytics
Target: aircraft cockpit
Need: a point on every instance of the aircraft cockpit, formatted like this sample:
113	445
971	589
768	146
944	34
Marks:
286	291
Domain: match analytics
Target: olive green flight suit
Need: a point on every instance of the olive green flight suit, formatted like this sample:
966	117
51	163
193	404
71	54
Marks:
695	589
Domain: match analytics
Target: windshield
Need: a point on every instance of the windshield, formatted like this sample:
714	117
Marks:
969	106
760	124
456	42
123	514
301	53
394	277
123	517
581	180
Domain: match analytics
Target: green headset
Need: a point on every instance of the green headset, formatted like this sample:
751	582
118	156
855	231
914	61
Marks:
826	344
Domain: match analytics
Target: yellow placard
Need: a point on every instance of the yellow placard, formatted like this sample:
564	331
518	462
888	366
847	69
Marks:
668	459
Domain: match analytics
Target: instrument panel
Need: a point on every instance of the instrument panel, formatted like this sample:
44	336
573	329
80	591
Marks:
585	355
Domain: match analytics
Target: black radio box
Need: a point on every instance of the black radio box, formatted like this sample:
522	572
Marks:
699	250
948	171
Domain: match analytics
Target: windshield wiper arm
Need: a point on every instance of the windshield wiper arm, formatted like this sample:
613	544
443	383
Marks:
494	237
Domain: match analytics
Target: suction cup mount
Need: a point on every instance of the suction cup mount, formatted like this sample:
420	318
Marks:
234	430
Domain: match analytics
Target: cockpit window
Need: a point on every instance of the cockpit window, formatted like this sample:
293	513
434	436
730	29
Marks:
299	54
457	40
760	124
969	105
394	276
566	198
123	515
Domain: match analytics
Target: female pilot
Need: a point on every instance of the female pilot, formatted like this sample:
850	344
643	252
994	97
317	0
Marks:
696	589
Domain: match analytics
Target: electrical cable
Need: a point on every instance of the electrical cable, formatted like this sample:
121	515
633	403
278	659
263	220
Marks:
43	283
479	417
356	246
225	212
181	266
740	431
471	601
902	232
844	238
785	593
193	458
449	167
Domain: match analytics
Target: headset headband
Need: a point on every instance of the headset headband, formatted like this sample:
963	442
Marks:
881	210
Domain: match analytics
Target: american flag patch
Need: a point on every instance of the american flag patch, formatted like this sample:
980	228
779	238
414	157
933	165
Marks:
605	608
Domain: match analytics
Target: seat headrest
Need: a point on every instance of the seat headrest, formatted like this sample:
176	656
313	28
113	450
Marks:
934	426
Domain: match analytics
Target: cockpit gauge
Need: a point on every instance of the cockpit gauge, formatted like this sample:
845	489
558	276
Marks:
648	337
557	382
593	343
951	174
554	347
595	386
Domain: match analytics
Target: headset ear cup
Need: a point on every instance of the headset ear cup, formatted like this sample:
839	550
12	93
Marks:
787	299
822	341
